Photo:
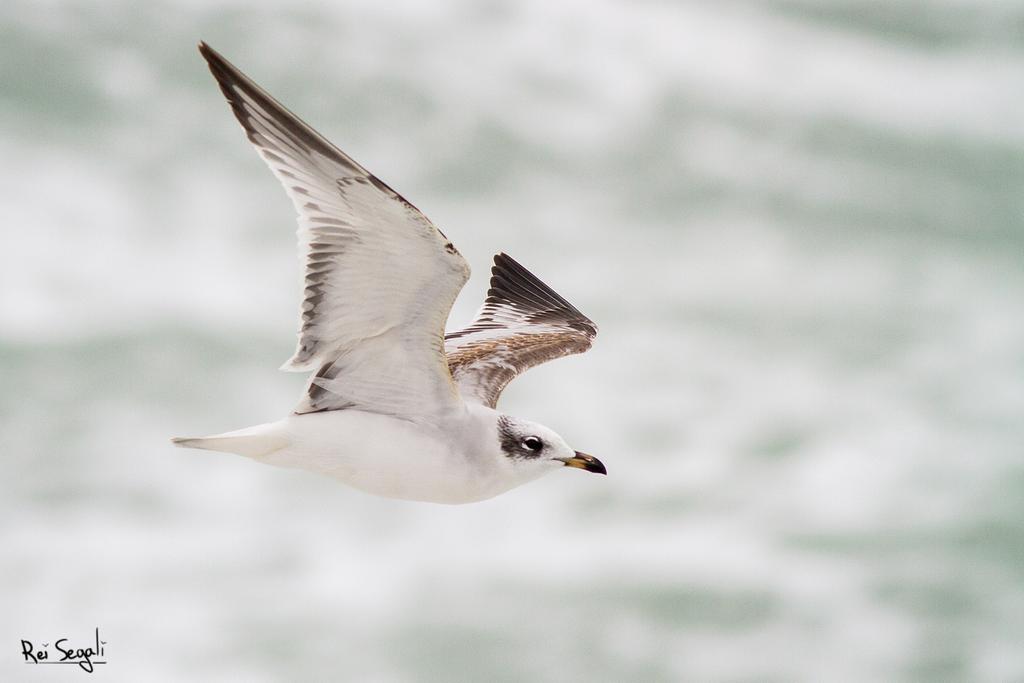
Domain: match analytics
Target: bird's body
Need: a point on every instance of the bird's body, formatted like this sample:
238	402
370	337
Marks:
451	461
395	407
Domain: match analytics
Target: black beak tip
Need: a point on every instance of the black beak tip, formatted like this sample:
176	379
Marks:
589	463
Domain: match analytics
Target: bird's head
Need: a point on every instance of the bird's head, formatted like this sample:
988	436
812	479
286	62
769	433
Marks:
533	449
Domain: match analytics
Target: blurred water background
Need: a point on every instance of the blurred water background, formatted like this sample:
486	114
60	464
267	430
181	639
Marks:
798	224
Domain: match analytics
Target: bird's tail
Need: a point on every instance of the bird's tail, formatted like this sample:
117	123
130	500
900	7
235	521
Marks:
252	442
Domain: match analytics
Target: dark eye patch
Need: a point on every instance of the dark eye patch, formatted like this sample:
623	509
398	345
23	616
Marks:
514	445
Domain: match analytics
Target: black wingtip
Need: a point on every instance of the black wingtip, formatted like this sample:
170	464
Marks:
507	270
512	282
206	51
503	261
224	71
237	88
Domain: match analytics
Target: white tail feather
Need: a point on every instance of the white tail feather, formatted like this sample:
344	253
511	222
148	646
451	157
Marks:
252	442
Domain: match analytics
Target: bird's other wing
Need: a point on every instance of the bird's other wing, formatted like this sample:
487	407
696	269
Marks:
522	323
380	278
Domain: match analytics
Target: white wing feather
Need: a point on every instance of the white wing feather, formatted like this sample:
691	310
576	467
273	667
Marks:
380	277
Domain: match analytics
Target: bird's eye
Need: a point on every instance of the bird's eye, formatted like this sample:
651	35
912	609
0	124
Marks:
532	443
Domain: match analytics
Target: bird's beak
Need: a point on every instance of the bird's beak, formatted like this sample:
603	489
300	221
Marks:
585	462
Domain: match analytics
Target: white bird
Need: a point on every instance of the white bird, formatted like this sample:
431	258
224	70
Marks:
394	406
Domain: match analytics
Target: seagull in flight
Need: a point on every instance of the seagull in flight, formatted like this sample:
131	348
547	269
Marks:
394	406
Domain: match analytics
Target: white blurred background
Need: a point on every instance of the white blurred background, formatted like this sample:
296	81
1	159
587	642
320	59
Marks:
798	224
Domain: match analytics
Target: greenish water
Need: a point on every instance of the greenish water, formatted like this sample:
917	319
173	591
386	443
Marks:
798	224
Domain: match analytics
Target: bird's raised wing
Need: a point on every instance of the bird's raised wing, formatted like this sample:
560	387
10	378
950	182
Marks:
380	278
522	323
